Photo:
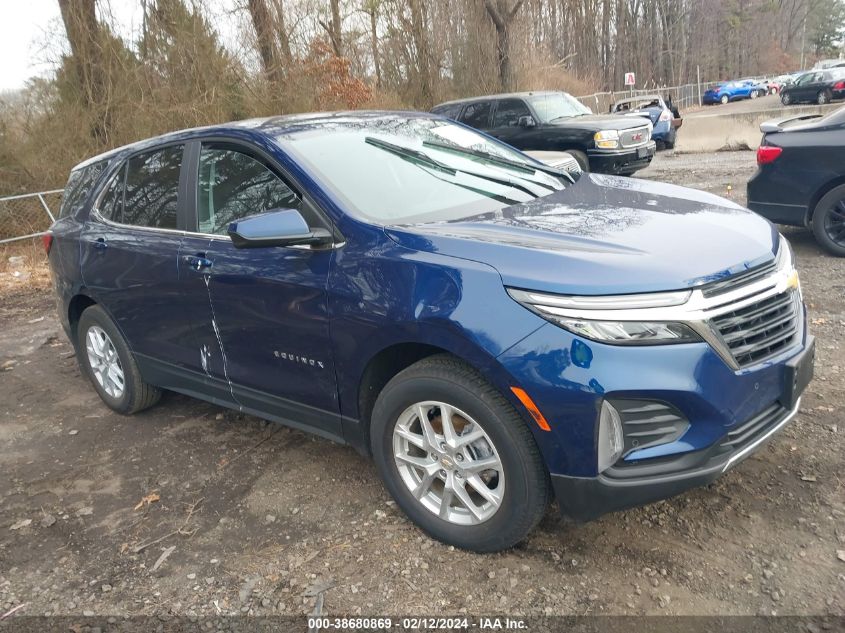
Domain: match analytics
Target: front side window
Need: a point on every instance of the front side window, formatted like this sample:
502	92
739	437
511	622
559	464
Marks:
477	114
233	185
152	187
509	111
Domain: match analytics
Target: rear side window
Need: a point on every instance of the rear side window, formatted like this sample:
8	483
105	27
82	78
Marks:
110	204
152	187
233	185
477	114
78	187
508	112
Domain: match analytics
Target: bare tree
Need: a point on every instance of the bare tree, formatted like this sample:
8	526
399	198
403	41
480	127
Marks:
262	22
333	29
502	17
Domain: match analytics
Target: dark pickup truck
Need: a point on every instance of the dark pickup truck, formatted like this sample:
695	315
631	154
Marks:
556	121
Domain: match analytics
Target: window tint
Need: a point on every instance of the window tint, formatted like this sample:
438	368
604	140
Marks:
152	185
508	112
233	185
449	111
477	114
110	204
78	187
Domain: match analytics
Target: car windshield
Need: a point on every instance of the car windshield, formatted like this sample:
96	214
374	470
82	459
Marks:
407	170
557	105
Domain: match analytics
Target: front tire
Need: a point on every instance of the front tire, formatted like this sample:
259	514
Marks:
457	458
754	94
106	359
829	221
581	158
724	99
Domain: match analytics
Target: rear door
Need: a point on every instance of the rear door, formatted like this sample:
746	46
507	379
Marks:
129	249
477	114
264	330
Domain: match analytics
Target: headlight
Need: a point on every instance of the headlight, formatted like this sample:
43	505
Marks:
607	139
563	311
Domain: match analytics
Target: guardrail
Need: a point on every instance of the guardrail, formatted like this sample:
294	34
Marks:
684	96
28	215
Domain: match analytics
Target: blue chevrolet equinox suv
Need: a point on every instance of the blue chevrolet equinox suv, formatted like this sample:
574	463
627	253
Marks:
493	332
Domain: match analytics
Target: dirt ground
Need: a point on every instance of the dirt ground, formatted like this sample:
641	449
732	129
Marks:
242	516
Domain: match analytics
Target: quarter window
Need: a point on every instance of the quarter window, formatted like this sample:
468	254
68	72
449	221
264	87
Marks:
78	187
233	185
508	112
152	187
477	114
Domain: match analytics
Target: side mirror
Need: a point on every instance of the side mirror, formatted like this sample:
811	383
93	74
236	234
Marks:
280	227
526	120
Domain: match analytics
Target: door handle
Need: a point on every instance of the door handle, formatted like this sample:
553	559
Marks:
198	261
100	244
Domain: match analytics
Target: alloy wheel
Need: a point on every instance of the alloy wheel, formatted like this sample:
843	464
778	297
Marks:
823	98
104	361
834	223
449	463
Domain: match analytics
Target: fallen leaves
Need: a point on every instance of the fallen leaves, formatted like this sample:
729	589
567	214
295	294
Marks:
840	554
20	524
147	500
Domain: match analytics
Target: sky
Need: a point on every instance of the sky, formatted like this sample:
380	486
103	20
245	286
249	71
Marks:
32	36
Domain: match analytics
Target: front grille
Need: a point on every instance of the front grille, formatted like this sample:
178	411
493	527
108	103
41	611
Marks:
762	329
739	280
745	434
634	136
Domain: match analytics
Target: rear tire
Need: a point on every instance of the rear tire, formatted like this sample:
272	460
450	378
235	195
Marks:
829	221
823	97
430	475
106	359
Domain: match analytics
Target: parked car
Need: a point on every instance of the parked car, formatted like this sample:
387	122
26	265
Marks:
665	120
491	331
557	121
816	86
733	91
800	179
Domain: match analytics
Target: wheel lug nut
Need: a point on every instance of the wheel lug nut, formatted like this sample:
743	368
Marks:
443	446
443	473
459	457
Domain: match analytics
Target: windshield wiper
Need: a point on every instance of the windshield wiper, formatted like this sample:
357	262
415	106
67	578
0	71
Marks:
415	155
411	153
499	160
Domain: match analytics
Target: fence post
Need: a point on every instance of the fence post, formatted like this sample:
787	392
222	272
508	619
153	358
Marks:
698	76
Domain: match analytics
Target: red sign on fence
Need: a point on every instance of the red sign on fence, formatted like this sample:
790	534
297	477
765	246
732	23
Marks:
630	79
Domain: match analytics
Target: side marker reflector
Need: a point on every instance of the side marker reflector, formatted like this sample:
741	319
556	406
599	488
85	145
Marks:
528	403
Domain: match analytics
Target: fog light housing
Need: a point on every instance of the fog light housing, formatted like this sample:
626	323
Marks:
610	442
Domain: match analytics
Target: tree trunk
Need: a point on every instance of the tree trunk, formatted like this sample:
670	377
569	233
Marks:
418	33
83	34
372	11
334	28
502	17
262	22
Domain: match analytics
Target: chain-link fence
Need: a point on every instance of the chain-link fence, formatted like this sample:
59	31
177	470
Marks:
28	215
685	96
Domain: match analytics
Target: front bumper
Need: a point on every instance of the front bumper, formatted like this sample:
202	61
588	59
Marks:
621	161
587	498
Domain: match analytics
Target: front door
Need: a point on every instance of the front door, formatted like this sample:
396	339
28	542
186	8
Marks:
264	331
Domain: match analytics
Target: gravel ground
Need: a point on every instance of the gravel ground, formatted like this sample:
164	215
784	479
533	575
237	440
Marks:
190	509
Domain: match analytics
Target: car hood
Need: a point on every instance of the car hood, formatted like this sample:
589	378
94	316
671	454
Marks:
606	235
597	122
